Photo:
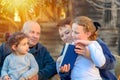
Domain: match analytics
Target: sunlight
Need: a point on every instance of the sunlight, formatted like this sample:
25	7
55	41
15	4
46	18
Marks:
10	5
17	16
63	14
18	8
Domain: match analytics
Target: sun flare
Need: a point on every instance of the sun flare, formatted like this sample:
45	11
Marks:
11	5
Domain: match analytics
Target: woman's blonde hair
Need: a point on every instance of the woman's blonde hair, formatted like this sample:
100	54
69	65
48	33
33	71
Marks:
88	26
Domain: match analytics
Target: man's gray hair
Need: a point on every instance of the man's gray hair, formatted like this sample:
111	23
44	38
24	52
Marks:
27	25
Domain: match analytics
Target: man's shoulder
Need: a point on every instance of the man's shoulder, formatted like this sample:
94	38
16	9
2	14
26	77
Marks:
5	49
40	46
2	45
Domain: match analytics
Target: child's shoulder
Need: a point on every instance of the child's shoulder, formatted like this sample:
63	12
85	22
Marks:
29	55
10	56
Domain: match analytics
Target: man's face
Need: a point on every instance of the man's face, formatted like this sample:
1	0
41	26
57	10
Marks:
66	33
33	34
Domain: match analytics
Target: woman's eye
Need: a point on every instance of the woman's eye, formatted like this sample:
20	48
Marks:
76	32
67	32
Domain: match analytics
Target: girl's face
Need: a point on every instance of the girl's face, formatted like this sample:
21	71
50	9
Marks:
78	32
22	47
66	34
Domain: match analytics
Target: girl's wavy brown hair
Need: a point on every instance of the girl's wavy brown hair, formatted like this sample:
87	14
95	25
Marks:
88	26
15	39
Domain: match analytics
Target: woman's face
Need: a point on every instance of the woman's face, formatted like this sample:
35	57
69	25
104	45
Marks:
66	33
78	32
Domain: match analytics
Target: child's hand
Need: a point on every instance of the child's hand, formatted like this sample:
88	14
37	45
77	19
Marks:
22	78
6	77
35	77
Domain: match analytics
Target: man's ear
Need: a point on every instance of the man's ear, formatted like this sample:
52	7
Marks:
14	47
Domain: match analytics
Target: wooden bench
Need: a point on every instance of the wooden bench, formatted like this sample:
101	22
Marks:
117	68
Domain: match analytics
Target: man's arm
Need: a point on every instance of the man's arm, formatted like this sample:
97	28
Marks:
47	66
4	51
1	57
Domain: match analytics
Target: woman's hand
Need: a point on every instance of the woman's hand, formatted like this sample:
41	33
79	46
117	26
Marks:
81	48
65	68
83	42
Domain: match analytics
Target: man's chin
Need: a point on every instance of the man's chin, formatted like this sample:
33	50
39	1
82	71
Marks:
32	44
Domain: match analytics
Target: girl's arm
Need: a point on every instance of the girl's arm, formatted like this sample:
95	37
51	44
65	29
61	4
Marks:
97	54
33	68
91	50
